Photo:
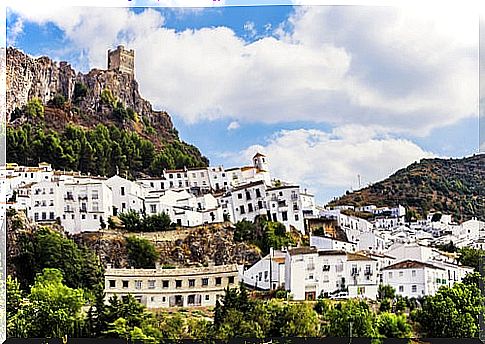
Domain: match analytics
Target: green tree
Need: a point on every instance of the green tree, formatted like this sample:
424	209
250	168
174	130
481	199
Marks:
157	222
52	310
451	312
132	221
299	320
14	296
393	326
470	257
46	248
141	253
244	231
80	91
34	108
352	311
386	291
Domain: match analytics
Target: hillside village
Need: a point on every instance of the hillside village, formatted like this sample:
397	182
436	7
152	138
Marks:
351	250
347	256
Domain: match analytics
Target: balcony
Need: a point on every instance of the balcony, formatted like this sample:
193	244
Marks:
69	197
368	273
83	197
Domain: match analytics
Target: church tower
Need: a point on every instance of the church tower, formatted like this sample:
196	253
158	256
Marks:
260	161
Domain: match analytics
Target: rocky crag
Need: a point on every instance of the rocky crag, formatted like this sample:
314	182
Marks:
203	245
85	101
44	78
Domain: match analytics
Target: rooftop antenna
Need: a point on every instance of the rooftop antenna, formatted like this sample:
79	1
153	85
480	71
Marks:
358	177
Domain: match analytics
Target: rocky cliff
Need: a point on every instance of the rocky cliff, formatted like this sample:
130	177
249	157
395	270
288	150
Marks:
43	78
204	245
94	123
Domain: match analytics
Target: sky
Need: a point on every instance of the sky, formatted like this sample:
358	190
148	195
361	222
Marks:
328	93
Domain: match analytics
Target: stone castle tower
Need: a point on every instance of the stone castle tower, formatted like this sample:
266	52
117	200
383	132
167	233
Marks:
122	60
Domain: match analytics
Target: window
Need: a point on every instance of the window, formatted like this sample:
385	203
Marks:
248	195
297	218
125	284
218	280
138	284
310	276
284	216
191	282
151	284
401	273
95	206
241	209
123	206
51	215
250	208
258	193
178	175
266	275
122	191
390	274
414	288
239	195
95	216
205	282
83	216
112	283
94	194
413	273
230	279
207	297
178	284
44	216
401	288
165	284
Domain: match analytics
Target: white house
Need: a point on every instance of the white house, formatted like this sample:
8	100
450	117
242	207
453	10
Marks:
284	205
267	272
127	195
328	243
310	273
412	278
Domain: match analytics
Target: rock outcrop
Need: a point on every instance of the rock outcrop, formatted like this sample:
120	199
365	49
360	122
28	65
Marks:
43	78
196	246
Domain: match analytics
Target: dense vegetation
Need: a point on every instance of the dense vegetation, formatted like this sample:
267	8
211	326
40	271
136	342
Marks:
142	254
46	248
455	186
98	151
264	234
133	222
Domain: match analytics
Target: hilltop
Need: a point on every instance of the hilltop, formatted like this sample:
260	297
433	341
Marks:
93	123
455	186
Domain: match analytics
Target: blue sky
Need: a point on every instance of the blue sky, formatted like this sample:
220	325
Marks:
328	93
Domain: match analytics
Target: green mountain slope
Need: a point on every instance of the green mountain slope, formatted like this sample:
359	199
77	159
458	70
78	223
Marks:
455	186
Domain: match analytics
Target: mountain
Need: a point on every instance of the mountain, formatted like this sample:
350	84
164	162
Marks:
455	186
94	123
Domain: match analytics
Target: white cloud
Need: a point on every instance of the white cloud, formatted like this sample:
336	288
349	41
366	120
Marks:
333	160
233	125
393	68
250	28
14	31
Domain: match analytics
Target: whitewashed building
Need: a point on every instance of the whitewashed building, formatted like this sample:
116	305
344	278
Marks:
412	278
180	287
310	273
267	273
